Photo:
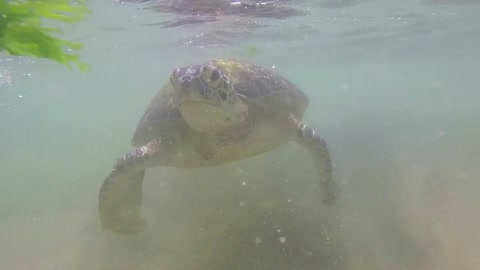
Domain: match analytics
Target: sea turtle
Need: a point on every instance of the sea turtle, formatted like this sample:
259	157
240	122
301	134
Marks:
208	114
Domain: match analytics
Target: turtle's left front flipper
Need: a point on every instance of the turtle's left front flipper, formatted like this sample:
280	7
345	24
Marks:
316	145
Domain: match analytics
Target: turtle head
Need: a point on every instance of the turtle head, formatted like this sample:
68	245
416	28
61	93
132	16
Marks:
206	99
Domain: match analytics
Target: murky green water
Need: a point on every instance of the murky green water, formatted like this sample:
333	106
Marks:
393	89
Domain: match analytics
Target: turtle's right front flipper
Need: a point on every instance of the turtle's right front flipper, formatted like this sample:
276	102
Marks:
120	196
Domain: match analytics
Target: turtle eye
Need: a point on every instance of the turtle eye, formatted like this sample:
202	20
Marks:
215	76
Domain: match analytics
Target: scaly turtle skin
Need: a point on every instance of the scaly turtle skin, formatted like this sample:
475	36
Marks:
208	114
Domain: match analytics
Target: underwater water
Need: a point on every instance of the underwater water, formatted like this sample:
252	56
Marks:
393	88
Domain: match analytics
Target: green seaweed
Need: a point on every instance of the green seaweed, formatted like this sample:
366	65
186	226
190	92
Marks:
22	30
